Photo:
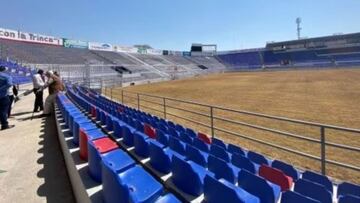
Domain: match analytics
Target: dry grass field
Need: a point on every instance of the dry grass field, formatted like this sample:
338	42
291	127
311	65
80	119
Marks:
324	96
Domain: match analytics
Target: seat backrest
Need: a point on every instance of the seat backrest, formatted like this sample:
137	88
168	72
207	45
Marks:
176	145
294	197
313	190
320	179
257	158
195	155
243	163
113	190
218	142
258	186
349	199
179	128
186	138
276	176
158	159
219	152
190	132
235	149
185	178
222	191
286	168
204	138
346	188
162	137
149	131
221	169
173	132
201	145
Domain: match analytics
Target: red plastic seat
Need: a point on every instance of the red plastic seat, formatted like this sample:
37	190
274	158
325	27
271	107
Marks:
105	145
83	141
276	176
204	138
149	131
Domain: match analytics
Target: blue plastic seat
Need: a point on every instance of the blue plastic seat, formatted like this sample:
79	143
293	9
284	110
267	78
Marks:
128	136
176	145
188	176
294	197
110	123
216	191
197	156
199	144
220	153
171	124
219	143
346	188
235	149
257	158
168	198
191	132
180	128
162	137
103	117
349	199
118	125
186	138
173	132
141	143
244	163
162	127
132	185
313	190
118	160
222	169
286	168
160	157
320	179
259	187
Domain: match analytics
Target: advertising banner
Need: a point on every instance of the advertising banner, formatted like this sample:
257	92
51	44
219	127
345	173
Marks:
154	51
125	49
29	37
100	46
70	43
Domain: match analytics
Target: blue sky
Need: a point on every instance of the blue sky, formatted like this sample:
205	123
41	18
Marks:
171	24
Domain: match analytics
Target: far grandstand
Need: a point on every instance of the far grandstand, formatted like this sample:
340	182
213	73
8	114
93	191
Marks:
79	60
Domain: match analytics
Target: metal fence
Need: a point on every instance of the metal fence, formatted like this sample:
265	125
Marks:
333	148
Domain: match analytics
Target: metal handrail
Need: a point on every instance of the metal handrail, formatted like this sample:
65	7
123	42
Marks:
166	101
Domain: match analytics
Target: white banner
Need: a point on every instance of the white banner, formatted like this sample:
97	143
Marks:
154	51
100	46
125	49
29	37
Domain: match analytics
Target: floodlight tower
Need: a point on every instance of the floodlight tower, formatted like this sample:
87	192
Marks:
298	22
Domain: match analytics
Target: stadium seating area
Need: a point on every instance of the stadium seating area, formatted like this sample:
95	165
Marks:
19	74
324	57
138	157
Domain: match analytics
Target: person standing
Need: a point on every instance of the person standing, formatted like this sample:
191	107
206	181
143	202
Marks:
38	84
55	86
12	93
5	84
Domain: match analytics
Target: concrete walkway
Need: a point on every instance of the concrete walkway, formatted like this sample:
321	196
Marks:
31	163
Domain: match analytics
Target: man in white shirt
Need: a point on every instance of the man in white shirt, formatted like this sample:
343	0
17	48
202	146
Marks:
38	83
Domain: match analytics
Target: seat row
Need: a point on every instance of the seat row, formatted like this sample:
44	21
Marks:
123	180
162	140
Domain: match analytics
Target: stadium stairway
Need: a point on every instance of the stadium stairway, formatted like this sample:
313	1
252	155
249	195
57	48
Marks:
125	147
